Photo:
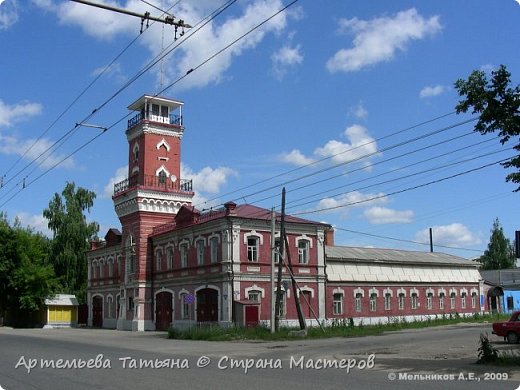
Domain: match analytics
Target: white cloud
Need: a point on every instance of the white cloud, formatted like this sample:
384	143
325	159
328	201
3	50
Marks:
113	71
432	91
383	215
208	180
31	151
119	175
296	157
359	111
10	114
360	144
8	14
284	59
35	221
455	235
208	40
379	39
350	200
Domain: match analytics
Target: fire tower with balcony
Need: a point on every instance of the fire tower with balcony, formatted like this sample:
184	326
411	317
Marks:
151	195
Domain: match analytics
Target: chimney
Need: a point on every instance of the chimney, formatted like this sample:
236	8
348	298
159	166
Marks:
329	237
230	208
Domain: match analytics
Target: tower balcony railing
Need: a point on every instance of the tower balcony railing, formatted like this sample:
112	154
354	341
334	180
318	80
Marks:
172	119
151	182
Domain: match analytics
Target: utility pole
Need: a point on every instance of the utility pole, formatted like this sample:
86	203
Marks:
303	325
431	240
280	266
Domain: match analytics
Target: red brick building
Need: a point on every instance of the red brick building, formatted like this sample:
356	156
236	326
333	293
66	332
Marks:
172	265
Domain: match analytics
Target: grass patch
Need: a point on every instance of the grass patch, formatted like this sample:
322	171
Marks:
338	328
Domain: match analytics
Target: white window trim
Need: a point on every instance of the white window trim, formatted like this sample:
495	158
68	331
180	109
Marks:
163	143
255	234
254	287
359	291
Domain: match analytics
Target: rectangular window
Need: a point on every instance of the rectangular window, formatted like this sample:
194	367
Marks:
164	111
277	250
452	300
169	258
429	301
373	302
252	248
110	268
401	301
337	304
303	251
200	252
473	300
357	303
155	109
254	296
184	255
158	261
214	249
414	301
388	301
185	307
441	301
282	310
463	300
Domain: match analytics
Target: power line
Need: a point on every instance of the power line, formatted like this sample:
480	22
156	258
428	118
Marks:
406	241
403	190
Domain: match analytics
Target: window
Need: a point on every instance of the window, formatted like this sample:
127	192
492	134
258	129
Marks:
100	270
452	300
185	306
473	300
254	295
213	243
158	260
155	109
162	177
337	304
303	251
169	258
277	250
252	248
109	307
429	301
357	303
111	268
373	302
164	111
463	300
414	301
400	302
130	303
200	252
282	310
441	301
136	151
388	301
184	255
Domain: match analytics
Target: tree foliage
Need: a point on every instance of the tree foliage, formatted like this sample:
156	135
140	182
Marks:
500	253
72	232
26	276
498	106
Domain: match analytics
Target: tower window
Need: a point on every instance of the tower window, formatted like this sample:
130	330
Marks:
162	177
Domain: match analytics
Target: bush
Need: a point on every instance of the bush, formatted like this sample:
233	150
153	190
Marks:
486	352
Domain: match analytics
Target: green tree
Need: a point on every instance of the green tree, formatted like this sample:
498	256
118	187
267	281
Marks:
26	277
498	107
499	254
72	233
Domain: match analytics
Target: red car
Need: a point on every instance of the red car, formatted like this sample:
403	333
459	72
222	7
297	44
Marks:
509	330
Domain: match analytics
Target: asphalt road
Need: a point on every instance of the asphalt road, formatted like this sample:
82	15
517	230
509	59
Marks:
104	359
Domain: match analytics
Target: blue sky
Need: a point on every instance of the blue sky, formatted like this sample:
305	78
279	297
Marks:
348	104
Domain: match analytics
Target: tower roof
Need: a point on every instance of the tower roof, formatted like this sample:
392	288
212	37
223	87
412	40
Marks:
139	103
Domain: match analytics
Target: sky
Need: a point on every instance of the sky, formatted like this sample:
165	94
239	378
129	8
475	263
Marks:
349	105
